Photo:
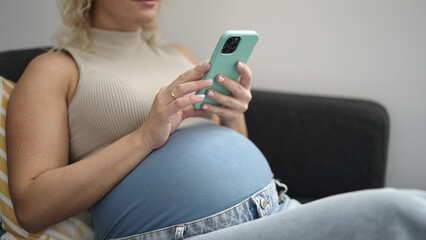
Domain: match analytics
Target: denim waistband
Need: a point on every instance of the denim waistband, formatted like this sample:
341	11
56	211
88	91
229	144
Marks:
258	205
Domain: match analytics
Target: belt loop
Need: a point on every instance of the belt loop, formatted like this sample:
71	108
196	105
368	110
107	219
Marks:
281	185
179	232
282	189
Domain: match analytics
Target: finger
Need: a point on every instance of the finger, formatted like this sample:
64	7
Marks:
190	111
183	102
194	73
168	93
228	101
221	111
245	75
189	87
237	90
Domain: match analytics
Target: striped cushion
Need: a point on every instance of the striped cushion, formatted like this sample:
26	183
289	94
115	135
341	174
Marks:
77	227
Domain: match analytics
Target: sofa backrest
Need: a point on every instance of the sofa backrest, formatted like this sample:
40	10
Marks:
319	146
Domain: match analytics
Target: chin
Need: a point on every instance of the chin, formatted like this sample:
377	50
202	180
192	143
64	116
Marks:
145	20
146	16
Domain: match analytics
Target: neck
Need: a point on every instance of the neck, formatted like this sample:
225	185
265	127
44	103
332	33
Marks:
116	42
110	24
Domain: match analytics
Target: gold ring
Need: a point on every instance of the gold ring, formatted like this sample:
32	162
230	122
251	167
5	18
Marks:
172	94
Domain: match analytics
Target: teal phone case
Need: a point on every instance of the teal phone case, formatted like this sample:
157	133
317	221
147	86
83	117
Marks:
225	63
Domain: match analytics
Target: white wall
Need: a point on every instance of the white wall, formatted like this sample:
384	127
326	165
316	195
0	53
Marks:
372	50
364	49
27	23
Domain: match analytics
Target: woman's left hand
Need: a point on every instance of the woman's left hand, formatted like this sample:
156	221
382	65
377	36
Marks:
236	104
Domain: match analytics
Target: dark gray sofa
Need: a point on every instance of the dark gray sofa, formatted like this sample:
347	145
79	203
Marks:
318	146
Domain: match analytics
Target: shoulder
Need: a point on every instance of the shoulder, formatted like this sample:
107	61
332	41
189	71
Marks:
185	51
55	70
55	62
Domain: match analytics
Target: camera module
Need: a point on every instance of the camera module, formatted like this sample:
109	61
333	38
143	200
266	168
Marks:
231	45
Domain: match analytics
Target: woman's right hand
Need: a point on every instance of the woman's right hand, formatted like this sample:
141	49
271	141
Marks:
171	106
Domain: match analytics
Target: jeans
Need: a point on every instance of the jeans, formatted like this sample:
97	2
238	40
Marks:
201	170
260	204
369	214
381	214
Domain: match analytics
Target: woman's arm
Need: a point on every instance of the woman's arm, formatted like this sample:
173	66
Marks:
45	188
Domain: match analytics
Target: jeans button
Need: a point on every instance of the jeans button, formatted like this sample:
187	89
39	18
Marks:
263	203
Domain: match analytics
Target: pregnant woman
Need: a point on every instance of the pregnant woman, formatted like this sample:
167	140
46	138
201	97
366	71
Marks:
104	127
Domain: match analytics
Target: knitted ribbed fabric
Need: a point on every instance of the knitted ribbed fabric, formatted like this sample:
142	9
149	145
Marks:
119	77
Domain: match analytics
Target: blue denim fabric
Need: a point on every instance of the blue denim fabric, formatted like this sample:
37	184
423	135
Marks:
200	171
259	205
375	214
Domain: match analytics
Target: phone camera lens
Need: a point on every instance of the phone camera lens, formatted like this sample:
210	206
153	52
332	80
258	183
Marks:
229	41
225	49
234	45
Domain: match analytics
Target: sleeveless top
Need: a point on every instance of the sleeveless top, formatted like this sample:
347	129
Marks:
119	78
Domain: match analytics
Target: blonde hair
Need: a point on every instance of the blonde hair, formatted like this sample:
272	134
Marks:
76	18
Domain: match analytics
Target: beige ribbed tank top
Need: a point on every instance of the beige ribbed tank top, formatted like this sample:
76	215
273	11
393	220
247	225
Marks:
119	78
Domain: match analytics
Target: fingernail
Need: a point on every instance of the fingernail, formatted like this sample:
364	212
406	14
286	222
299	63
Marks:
205	107
204	64
200	96
241	65
220	79
210	94
208	81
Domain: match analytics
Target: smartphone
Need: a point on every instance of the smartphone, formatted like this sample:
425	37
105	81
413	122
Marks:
234	46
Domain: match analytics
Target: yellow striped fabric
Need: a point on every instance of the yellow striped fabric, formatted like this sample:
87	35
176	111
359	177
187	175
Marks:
77	227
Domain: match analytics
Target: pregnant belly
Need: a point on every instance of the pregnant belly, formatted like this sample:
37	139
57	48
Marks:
201	170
